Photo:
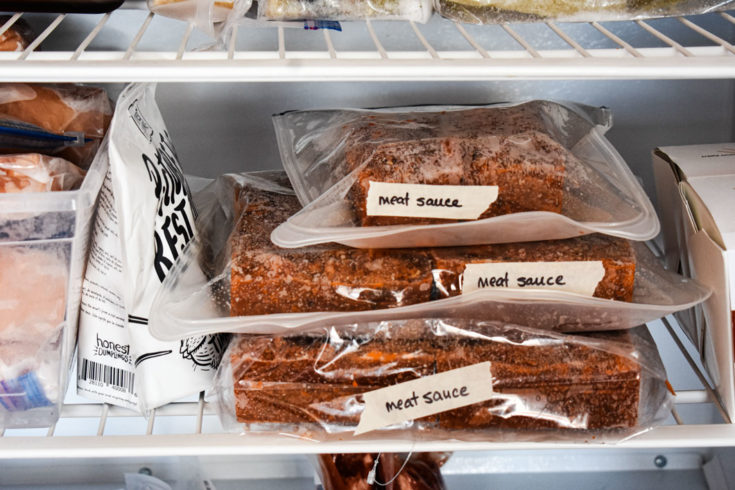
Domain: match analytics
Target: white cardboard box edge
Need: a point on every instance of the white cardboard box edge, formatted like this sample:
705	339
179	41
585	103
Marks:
707	262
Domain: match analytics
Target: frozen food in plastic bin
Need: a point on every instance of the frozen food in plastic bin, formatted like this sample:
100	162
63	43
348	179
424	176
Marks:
232	278
415	10
65	120
37	173
500	11
447	176
43	246
443	378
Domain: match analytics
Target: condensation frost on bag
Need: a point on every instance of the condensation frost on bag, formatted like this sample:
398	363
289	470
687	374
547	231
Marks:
210	16
499	11
144	220
446	176
342	10
233	279
443	378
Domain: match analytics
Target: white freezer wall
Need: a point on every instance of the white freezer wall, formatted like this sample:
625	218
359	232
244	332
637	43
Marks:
226	127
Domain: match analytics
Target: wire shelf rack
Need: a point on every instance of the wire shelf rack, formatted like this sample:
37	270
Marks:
135	45
192	428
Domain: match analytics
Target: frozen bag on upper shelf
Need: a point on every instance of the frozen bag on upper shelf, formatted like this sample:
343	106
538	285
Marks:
446	176
144	221
232	278
17	37
210	16
342	10
443	378
64	120
500	11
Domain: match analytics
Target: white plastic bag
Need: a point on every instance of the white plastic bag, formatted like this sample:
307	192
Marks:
145	219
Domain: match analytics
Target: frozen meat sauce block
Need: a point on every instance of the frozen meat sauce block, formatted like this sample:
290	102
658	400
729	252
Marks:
312	379
34	172
528	169
541	381
616	254
267	279
558	384
508	147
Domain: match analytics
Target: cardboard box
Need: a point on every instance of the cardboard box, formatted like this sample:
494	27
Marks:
696	197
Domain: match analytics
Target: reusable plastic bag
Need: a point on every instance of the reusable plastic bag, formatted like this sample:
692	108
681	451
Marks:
499	11
233	279
443	378
446	176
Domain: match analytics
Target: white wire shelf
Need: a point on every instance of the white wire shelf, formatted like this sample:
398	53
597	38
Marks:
92	430
134	45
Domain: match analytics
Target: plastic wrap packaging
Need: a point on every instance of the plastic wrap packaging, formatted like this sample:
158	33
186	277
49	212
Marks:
448	176
52	119
37	173
499	11
210	16
17	37
391	471
443	379
341	10
233	279
144	220
43	249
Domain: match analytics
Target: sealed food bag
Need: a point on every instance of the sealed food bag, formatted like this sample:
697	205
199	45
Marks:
210	16
232	278
144	221
17	37
37	173
443	379
65	120
370	471
445	176
499	11
342	10
46	208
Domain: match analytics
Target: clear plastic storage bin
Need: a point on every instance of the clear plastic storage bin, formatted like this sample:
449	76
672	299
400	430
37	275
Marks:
43	247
